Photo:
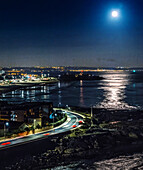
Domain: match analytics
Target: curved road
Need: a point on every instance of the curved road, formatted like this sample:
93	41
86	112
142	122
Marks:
72	122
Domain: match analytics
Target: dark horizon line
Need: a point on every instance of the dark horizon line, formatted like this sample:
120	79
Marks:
72	67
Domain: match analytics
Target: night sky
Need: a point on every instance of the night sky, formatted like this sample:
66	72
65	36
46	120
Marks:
71	33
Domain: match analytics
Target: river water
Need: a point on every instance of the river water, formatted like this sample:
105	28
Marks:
118	90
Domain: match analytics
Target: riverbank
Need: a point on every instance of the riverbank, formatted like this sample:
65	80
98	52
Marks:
14	86
114	133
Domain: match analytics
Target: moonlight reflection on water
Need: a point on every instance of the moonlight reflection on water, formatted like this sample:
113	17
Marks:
113	87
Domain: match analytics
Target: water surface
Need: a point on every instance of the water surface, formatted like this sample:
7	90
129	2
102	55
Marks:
118	90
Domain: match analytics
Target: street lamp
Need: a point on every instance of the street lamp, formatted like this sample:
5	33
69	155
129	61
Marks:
59	104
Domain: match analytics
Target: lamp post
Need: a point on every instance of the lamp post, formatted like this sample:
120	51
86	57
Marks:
53	123
6	124
91	116
4	130
34	123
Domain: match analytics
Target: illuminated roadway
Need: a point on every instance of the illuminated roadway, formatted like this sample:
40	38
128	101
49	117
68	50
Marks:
72	122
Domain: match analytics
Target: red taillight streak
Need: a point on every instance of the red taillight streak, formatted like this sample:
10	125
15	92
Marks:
7	143
46	134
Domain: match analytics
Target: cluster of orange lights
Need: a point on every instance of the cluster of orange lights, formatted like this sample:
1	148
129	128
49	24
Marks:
96	70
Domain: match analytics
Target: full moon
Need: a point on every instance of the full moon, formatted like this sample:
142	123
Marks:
115	14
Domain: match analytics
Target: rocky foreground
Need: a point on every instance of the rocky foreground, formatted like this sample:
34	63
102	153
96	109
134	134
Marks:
114	141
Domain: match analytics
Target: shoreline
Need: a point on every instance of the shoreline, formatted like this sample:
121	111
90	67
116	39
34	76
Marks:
15	86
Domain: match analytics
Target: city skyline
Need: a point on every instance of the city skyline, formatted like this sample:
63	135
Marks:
71	33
